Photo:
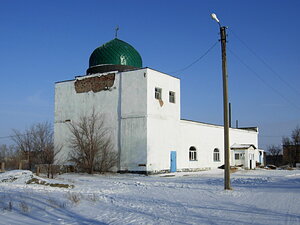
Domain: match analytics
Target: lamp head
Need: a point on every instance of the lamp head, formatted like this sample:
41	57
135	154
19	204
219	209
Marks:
214	17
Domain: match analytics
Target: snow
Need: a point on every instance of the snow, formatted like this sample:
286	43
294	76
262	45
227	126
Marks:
242	146
258	197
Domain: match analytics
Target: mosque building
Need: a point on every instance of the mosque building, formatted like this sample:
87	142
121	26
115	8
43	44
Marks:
141	107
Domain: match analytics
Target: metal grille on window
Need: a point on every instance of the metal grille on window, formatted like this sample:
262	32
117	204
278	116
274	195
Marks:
171	96
193	154
158	93
216	155
237	156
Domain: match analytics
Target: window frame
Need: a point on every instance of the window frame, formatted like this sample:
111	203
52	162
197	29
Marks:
193	153
158	93
172	98
239	156
242	156
216	155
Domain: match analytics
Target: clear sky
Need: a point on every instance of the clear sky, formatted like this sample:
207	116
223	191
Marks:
42	42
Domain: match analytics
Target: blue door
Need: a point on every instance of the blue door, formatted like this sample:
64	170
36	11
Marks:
173	161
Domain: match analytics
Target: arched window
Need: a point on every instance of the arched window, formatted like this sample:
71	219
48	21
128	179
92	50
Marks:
216	155
193	154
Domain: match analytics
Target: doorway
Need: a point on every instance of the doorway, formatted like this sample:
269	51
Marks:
173	167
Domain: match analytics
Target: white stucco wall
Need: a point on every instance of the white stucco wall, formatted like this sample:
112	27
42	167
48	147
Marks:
133	133
123	107
144	131
166	132
205	138
162	120
251	157
70	105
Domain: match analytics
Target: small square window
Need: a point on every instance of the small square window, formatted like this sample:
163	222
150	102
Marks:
172	96
237	156
158	93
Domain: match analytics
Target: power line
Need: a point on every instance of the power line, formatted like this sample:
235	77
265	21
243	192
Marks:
262	80
197	60
17	135
270	136
265	63
11	136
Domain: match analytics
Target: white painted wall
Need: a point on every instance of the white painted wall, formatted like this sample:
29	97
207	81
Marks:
70	105
250	154
143	130
206	138
124	108
166	132
163	133
133	133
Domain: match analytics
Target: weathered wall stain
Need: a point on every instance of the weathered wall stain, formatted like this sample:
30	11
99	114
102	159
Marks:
95	84
161	102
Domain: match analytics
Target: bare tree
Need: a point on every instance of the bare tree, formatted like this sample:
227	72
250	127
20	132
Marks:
107	158
274	152
37	145
43	144
24	144
296	136
291	147
47	157
92	148
7	151
10	156
286	141
4	152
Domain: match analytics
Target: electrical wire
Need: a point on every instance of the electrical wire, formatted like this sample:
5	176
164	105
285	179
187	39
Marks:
197	60
265	63
17	135
271	136
11	136
262	80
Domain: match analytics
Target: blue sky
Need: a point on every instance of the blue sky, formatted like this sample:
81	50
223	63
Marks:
43	42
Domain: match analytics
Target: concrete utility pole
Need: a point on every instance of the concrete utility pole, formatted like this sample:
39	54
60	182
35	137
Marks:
227	185
230	115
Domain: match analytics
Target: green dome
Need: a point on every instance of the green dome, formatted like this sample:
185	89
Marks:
115	52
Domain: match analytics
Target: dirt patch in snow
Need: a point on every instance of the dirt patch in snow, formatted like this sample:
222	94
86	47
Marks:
27	177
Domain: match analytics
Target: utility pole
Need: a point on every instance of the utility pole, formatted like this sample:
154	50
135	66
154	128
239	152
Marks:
227	185
230	115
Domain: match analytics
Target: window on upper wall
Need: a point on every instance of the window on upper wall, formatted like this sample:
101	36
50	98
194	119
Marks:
193	154
239	156
158	93
172	96
216	155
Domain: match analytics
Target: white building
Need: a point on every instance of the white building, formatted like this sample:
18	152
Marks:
141	107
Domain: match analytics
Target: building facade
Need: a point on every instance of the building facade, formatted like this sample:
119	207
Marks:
141	107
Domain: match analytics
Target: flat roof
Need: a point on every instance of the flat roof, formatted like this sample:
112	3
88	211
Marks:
161	72
119	72
217	125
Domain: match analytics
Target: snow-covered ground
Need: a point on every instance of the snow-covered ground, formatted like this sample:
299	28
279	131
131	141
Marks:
258	197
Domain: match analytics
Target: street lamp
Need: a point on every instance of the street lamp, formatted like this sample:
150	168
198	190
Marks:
227	185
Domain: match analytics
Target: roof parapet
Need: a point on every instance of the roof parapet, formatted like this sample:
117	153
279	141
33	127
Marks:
249	128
